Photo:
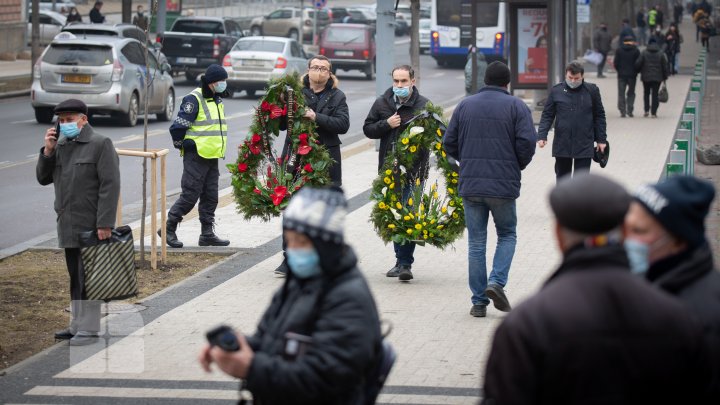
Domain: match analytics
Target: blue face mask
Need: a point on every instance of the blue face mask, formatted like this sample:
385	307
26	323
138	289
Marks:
303	263
638	253
401	92
220	87
70	130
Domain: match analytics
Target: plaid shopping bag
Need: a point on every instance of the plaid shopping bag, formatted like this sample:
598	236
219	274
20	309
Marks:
109	265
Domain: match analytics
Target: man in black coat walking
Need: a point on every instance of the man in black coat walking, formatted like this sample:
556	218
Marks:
653	67
666	243
96	16
625	58
320	337
594	333
576	108
387	119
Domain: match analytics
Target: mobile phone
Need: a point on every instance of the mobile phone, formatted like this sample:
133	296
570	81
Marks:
224	338
57	129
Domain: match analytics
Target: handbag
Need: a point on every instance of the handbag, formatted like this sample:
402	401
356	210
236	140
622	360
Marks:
663	95
602	157
109	265
593	57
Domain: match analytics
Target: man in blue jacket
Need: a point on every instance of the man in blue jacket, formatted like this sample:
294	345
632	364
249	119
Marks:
576	109
493	137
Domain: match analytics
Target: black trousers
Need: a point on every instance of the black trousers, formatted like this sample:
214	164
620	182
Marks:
601	65
626	94
85	313
651	88
564	166
199	182
336	167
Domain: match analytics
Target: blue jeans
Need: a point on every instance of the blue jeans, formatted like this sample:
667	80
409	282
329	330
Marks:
477	210
404	253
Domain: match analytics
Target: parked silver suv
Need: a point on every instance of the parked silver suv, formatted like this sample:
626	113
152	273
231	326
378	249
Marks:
107	73
285	22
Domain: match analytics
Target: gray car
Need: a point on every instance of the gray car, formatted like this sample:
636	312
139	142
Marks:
107	73
253	61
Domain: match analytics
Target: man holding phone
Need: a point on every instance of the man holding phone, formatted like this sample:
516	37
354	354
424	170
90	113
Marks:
320	336
85	171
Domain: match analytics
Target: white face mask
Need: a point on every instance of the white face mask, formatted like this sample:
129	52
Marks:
573	84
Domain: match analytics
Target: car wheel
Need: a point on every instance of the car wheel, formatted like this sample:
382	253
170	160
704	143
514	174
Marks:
167	114
250	93
255	31
370	71
191	77
129	119
293	34
44	115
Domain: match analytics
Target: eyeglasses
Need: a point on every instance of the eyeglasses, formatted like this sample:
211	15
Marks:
321	69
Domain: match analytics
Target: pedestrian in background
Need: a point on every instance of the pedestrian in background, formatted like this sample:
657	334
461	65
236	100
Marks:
594	333
493	137
140	19
84	169
481	68
602	41
677	12
660	17
73	16
200	133
667	244
320	337
673	39
575	107
652	18
641	27
626	30
96	16
653	67
387	119
625	58
326	105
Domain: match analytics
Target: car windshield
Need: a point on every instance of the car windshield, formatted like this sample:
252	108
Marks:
346	35
199	26
323	15
260	45
78	55
86	31
424	24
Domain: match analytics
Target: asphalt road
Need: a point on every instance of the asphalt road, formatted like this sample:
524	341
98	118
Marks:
26	208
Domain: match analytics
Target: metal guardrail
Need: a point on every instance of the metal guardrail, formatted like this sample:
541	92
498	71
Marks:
681	158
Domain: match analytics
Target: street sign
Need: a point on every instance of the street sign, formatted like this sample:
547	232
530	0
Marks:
583	2
320	3
583	13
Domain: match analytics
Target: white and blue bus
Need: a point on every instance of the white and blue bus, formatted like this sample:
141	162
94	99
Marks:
449	45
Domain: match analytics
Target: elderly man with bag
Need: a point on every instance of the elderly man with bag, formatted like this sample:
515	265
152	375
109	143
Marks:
85	171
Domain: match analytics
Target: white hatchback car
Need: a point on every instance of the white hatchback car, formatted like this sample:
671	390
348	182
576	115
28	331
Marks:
107	73
253	61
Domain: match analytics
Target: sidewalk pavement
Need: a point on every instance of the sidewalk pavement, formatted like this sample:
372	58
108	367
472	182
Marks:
150	357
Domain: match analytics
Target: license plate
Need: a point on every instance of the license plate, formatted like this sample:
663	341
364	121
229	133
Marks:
187	60
343	53
83	79
252	62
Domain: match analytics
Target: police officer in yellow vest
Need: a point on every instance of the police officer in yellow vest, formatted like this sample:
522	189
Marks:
200	132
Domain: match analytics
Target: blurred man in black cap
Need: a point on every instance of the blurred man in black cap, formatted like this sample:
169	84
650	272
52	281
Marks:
666	242
321	334
595	333
576	108
85	170
200	132
625	58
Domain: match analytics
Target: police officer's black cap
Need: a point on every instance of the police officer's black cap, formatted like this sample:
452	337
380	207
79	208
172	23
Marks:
71	106
589	204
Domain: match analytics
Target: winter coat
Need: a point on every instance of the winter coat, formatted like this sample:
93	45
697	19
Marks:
692	277
640	20
493	136
625	58
376	126
579	119
481	68
337	311
331	109
86	176
652	64
672	45
597	334
96	17
602	40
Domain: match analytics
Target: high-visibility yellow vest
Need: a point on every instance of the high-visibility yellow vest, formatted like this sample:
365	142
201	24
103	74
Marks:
209	131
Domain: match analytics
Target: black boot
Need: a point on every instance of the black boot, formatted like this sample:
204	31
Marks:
208	237
171	237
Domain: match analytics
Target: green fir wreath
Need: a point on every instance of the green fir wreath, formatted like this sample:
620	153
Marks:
262	182
432	214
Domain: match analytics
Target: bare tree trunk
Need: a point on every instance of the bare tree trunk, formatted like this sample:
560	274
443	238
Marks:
415	38
35	33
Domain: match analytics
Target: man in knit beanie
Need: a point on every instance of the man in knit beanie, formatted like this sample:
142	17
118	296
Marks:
666	242
321	333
